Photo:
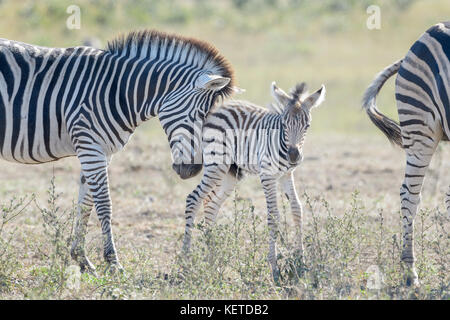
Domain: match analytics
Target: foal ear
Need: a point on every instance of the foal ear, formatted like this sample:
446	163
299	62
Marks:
314	99
212	82
279	95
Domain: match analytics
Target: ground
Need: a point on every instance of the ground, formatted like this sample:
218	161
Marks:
148	222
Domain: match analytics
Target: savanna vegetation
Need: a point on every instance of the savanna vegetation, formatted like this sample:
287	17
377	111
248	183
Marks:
349	181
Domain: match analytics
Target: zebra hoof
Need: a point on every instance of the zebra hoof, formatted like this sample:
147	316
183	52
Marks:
276	276
85	265
89	269
411	279
114	269
299	265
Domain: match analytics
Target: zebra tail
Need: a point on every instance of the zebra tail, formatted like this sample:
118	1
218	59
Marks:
388	126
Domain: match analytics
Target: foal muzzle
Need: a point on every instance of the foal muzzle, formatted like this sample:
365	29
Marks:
294	156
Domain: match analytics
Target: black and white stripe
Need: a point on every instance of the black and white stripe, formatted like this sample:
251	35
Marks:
240	137
87	102
422	91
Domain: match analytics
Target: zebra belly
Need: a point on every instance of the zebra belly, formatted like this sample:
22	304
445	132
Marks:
37	152
32	103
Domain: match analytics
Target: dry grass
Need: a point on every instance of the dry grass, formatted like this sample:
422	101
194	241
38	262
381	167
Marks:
346	231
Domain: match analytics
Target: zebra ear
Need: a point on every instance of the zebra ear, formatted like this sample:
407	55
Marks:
279	95
212	82
314	99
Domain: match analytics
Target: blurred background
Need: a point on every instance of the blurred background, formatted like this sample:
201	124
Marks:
283	40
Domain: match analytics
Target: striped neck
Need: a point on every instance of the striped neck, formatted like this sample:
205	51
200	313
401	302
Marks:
133	88
147	66
283	137
165	75
275	123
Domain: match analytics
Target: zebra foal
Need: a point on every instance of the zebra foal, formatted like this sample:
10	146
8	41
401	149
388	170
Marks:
240	137
422	91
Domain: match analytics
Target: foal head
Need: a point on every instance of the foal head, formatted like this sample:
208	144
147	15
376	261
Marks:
296	115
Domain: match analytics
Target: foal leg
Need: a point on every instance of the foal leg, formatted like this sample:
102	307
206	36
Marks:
212	205
85	204
269	185
288	186
212	175
217	197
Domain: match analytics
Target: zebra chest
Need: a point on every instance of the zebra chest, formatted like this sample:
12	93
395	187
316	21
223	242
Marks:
90	130
108	145
263	169
258	161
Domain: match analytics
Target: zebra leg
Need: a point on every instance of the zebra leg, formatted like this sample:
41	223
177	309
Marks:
94	168
85	204
212	175
418	157
447	201
288	186
217	197
210	214
269	185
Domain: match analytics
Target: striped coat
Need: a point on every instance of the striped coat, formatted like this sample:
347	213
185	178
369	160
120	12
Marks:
422	91
242	138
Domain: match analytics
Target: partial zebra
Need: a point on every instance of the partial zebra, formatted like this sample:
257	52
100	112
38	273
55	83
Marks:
240	137
422	90
86	102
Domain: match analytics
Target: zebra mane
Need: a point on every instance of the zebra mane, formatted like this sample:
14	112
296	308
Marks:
298	93
145	42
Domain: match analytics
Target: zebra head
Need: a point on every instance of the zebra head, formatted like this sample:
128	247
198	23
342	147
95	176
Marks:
178	79
182	115
296	116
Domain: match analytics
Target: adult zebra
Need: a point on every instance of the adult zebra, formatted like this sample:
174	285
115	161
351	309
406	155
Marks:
85	102
422	93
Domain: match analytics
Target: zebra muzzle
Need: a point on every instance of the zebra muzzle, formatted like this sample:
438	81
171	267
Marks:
294	156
